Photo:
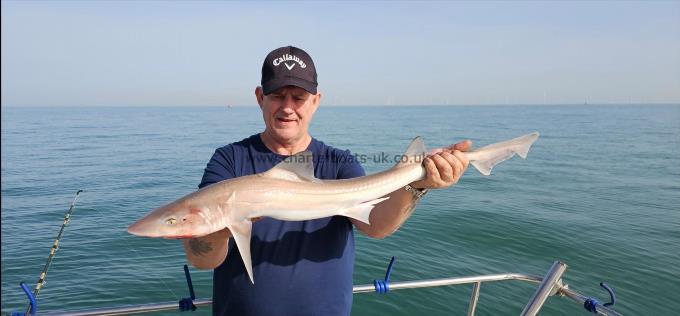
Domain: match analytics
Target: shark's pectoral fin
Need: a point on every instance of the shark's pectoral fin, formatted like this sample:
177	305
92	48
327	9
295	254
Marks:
241	233
362	211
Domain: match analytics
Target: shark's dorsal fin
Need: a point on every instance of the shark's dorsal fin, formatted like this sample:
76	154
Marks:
298	167
415	153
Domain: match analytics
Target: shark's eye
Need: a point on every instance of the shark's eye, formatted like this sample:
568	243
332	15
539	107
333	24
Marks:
171	221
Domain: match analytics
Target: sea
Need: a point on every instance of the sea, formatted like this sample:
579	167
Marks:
599	191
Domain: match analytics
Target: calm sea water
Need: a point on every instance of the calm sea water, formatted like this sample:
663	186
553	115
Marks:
599	191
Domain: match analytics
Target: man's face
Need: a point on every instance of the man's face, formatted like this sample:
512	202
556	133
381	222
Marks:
287	112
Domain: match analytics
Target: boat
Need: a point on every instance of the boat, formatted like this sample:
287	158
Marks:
551	284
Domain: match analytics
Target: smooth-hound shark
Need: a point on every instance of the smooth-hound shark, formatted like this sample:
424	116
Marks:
290	192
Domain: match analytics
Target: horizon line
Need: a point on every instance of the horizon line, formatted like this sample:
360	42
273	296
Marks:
347	105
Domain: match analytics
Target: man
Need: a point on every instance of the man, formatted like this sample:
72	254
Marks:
304	267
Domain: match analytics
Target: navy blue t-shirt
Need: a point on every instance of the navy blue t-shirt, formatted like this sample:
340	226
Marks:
299	267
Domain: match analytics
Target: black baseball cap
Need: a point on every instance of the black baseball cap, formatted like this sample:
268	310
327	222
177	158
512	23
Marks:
288	66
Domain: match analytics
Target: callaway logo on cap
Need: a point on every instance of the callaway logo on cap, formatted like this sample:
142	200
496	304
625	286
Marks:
288	66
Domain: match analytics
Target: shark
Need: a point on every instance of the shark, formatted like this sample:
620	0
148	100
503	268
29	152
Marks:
290	192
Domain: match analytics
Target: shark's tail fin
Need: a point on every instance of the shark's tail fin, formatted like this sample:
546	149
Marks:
487	157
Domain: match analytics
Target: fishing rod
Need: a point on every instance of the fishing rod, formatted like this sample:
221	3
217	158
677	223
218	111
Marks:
53	251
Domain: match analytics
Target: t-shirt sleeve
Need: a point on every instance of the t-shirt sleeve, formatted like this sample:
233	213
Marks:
220	167
350	167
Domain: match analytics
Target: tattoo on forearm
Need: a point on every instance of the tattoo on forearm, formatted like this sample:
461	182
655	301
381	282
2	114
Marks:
199	247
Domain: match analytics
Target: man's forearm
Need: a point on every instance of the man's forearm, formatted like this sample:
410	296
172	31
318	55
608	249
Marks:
389	215
209	251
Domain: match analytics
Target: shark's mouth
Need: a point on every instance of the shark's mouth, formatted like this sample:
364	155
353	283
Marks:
180	237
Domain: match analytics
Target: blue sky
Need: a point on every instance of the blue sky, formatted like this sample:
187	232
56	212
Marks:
111	53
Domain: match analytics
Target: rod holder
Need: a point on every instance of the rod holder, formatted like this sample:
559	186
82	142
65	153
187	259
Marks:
187	303
546	288
33	307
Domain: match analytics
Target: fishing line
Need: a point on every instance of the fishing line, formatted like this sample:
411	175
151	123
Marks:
126	241
159	279
55	246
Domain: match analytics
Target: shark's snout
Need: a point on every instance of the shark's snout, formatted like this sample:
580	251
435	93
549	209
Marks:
140	228
170	221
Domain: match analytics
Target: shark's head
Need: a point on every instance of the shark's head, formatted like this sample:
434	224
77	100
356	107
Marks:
179	219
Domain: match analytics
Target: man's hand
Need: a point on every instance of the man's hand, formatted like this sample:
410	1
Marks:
444	167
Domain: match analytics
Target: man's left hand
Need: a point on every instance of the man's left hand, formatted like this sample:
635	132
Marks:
444	167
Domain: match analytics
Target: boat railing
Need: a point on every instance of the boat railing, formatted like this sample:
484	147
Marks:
551	284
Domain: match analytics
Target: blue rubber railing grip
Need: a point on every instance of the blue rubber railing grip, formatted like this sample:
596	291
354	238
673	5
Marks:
187	303
590	304
31	298
612	296
383	286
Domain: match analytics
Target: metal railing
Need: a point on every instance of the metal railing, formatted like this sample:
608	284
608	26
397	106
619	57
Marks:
550	285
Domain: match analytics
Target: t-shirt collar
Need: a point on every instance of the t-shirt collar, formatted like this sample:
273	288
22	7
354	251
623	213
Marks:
259	145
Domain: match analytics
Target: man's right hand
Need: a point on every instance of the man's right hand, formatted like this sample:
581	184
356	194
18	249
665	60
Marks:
444	167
